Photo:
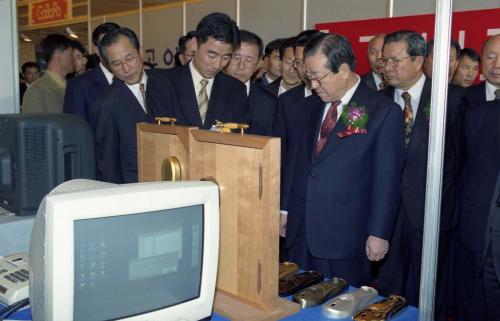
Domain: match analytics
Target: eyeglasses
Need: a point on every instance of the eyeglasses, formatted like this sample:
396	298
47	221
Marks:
391	61
318	80
298	63
129	61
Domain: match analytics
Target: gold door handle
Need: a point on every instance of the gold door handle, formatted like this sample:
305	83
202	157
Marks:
162	120
226	127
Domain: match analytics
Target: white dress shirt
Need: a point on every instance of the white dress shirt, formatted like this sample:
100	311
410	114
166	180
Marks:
108	74
490	91
135	89
378	80
415	92
197	77
343	101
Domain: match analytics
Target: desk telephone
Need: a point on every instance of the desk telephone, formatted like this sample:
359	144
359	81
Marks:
14	278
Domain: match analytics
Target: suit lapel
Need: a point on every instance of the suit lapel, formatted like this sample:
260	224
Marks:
131	100
187	97
99	78
317	109
420	131
361	98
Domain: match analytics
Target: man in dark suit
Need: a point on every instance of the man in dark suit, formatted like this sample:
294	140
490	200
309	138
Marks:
288	122
121	107
374	79
345	190
83	91
198	94
477	261
469	245
272	63
244	62
30	73
491	256
289	77
402	60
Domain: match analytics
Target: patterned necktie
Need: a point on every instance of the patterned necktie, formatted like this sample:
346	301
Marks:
408	116
497	94
327	126
203	100
143	93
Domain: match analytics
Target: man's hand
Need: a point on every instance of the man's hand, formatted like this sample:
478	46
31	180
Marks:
376	248
283	218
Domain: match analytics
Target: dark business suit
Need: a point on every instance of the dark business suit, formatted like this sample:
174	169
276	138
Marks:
22	90
369	81
274	87
286	125
400	273
172	94
483	165
348	192
491	256
81	93
262	108
115	134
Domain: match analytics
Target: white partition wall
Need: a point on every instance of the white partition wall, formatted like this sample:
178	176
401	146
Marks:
341	10
197	10
271	19
160	44
9	82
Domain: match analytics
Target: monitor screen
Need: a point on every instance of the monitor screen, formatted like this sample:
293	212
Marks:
155	254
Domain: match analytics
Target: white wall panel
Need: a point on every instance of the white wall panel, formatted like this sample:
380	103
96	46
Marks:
197	10
161	31
271	19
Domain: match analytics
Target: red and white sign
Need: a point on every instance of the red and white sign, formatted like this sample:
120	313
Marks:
48	11
469	28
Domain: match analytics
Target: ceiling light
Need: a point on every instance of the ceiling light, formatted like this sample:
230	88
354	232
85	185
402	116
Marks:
25	37
71	33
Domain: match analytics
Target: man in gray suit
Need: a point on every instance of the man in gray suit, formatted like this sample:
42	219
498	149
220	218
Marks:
46	95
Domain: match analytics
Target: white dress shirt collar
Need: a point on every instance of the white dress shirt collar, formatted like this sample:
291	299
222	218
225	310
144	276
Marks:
108	74
490	91
247	84
135	89
344	100
197	77
415	92
378	80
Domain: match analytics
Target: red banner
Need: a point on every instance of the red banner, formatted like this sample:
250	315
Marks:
469	28
47	11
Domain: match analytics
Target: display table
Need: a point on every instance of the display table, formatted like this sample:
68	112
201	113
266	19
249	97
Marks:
310	314
15	232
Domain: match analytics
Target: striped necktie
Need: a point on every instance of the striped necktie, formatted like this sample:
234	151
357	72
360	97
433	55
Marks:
143	93
497	94
203	100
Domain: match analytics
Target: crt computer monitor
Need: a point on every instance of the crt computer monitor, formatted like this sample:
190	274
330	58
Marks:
39	152
146	251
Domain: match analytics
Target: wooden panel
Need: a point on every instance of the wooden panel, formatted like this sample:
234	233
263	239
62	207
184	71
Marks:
155	143
248	179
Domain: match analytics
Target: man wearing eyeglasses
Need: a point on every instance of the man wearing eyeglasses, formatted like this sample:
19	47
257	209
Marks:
198	93
288	124
346	186
245	60
289	77
121	107
403	59
83	91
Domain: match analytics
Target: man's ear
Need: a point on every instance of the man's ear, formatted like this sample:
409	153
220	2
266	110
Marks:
419	61
344	71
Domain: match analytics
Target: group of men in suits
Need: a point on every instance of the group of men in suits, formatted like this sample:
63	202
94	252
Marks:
354	158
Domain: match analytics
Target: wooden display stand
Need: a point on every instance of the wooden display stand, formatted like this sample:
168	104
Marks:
247	170
155	144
